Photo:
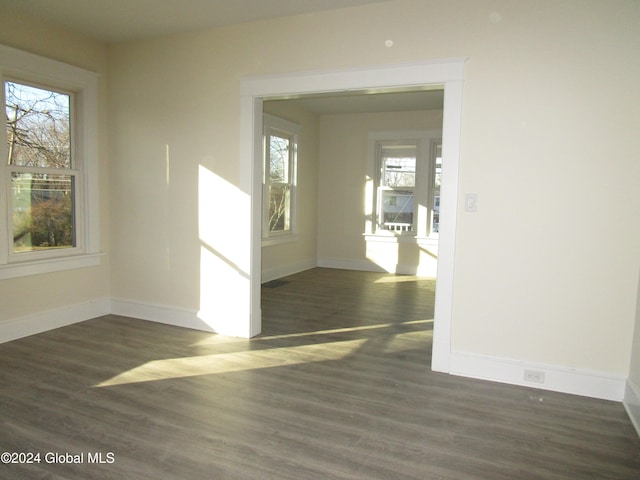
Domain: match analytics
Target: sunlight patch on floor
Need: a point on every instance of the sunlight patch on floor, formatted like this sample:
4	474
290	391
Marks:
401	278
217	339
172	368
234	362
408	341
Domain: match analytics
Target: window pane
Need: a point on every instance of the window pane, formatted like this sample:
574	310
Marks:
42	211
279	210
397	210
278	159
38	133
399	166
435	223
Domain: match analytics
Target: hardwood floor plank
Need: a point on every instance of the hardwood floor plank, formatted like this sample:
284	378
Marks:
337	387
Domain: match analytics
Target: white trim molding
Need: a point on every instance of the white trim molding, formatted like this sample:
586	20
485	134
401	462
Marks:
349	264
169	315
541	376
632	404
371	266
289	269
38	267
27	67
48	320
503	370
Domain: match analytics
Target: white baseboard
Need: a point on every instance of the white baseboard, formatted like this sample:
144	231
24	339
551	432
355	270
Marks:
369	266
440	356
48	320
554	378
349	264
283	271
179	317
632	404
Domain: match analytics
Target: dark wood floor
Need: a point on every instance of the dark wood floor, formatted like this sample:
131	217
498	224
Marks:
337	387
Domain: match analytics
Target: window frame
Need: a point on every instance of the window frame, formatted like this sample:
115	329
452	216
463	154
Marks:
82	87
276	126
426	142
381	185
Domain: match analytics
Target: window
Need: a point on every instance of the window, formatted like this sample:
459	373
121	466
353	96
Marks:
396	190
48	176
279	179
437	178
41	172
406	169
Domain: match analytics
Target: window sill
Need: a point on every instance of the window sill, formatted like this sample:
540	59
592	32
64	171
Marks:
279	240
37	267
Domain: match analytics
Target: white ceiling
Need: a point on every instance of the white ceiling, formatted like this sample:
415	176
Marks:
116	21
366	102
122	20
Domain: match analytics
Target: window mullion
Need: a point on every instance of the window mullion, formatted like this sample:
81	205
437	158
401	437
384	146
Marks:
52	171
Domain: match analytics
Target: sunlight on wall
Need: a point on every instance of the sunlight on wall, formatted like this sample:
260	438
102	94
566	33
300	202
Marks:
368	205
423	214
223	219
428	260
406	256
167	206
395	254
384	254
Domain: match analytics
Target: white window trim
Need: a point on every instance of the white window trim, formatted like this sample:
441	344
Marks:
272	123
425	140
19	66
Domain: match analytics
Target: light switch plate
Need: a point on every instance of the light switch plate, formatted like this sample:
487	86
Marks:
471	202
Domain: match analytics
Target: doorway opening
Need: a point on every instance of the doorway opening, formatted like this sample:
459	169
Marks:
442	74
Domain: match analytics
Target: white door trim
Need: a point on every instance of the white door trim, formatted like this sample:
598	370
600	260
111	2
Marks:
447	73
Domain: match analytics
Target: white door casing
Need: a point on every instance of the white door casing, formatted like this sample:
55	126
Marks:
447	73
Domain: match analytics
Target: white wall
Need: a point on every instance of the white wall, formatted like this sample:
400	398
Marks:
545	272
344	167
332	188
38	302
285	259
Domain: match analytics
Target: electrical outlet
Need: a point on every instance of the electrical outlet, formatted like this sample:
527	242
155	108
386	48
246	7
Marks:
534	376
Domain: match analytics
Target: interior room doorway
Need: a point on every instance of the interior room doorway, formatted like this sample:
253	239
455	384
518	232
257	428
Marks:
448	75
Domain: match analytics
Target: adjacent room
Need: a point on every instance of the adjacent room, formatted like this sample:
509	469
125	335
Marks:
343	239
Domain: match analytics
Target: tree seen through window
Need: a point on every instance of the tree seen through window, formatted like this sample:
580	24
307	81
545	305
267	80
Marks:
38	133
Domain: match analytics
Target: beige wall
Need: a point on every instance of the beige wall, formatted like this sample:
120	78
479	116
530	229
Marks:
344	167
278	260
333	165
31	296
545	271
